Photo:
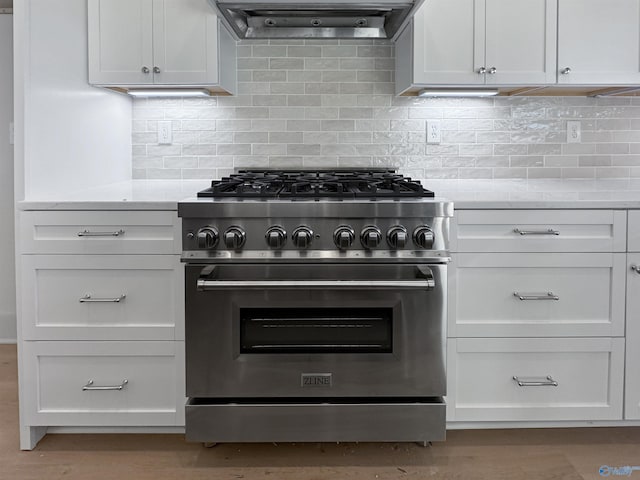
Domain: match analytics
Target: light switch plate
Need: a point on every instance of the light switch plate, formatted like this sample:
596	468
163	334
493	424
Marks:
434	131
574	132
164	132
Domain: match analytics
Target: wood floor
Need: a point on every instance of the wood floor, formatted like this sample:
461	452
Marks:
466	455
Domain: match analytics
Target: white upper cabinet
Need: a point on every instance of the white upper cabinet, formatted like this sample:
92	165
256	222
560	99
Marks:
184	40
599	42
448	42
120	42
159	42
478	42
520	42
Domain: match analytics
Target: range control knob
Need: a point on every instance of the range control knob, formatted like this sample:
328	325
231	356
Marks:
302	237
234	238
397	237
370	237
423	237
207	237
276	237
343	237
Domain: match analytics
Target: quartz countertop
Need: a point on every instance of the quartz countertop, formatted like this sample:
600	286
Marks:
539	193
466	194
129	195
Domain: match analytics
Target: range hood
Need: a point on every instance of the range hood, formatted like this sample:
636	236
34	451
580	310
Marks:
323	19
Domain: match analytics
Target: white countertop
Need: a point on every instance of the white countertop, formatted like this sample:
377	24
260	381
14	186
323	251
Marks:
466	194
539	193
130	195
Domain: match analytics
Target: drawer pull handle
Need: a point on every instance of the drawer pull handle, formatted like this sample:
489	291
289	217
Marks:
91	386
635	268
549	231
88	299
549	382
87	233
547	296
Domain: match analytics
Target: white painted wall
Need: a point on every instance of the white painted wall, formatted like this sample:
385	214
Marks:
7	264
75	136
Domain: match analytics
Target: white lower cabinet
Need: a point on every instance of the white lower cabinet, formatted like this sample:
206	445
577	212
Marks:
537	317
104	383
537	295
633	231
101	321
100	232
539	231
632	390
102	297
555	379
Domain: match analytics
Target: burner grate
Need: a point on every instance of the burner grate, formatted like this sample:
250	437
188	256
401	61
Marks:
291	184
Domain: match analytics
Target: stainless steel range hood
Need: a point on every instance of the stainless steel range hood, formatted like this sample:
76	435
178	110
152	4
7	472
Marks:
323	19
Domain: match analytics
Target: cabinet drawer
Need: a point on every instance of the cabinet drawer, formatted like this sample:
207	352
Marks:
539	231
100	232
102	297
588	371
534	294
143	383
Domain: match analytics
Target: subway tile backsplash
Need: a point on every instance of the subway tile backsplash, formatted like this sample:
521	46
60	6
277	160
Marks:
330	104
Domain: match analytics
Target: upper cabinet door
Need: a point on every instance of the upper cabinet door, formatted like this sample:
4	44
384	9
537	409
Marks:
449	42
120	41
185	42
134	43
599	42
521	41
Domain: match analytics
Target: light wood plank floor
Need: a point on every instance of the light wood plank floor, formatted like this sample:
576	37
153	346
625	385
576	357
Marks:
466	455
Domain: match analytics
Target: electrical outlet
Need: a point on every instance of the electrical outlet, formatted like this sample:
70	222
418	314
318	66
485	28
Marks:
164	133
434	132
574	132
12	134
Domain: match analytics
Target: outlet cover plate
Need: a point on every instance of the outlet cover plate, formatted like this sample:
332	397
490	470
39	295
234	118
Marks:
434	132
574	132
164	132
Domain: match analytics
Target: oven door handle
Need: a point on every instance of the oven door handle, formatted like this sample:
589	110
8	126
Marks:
425	281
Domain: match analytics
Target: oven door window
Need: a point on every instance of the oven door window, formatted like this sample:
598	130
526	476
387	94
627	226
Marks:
316	330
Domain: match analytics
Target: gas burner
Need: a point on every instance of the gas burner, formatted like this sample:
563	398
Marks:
388	187
317	177
243	187
317	184
316	189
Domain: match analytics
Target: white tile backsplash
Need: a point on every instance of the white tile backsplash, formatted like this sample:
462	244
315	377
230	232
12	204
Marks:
329	103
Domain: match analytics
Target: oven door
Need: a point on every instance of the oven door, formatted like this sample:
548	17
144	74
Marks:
309	331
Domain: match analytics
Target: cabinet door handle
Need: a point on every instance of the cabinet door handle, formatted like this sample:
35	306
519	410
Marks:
492	71
87	233
88	299
482	70
156	69
566	71
91	386
145	70
548	382
635	268
549	231
547	296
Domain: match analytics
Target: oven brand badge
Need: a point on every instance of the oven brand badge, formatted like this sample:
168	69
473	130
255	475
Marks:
316	380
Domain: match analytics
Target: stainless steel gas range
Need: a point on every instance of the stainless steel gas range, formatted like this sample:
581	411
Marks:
315	308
